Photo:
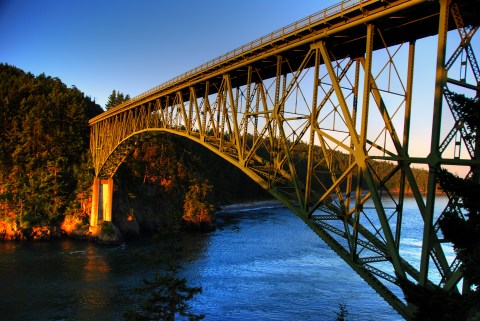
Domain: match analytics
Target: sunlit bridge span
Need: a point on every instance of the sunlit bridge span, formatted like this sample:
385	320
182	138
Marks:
309	111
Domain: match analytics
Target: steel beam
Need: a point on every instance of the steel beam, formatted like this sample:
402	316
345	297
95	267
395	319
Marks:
289	112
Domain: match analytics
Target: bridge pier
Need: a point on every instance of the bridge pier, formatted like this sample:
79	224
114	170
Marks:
102	193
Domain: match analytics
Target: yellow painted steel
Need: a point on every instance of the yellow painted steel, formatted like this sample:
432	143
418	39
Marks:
292	111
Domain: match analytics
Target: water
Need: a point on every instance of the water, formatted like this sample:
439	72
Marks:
260	264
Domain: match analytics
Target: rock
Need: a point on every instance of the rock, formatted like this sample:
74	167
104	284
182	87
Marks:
106	233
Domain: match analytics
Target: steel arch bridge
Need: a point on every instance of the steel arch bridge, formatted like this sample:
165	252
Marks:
310	111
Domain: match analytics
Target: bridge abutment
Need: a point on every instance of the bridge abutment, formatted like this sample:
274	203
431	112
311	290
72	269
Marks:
102	198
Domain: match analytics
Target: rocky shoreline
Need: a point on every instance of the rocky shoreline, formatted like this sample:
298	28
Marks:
48	233
76	227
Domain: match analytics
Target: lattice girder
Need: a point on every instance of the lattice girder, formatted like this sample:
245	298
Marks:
313	119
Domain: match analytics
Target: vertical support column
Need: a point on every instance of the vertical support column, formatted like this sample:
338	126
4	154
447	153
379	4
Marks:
102	199
276	119
221	115
95	195
107	194
277	106
434	157
206	111
186	121
361	167
313	128
367	83
364	118
406	140
234	112
191	106
246	115
351	160
258	88
193	98
354	123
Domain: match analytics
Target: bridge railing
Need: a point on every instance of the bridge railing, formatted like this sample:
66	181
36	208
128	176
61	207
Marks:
324	14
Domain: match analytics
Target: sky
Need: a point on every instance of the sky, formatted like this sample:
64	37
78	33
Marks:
132	46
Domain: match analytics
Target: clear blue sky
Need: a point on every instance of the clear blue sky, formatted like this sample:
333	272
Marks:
133	46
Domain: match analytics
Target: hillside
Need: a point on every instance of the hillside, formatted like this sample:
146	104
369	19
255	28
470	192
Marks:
43	151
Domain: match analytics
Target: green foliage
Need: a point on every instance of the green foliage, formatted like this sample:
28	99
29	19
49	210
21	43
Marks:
464	233
469	111
342	313
435	304
107	228
44	129
115	99
168	294
165	171
461	226
198	207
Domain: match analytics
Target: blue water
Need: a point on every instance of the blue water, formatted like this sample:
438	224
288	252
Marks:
262	263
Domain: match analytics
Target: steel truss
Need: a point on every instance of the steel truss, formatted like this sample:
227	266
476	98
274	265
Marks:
311	123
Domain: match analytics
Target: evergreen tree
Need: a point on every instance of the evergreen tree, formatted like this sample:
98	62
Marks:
463	232
45	129
115	99
342	312
462	228
168	294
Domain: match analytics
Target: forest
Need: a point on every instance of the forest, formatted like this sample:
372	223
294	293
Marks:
43	150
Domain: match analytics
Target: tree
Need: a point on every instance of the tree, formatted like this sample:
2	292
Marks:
463	232
43	131
198	208
342	313
460	225
168	295
115	99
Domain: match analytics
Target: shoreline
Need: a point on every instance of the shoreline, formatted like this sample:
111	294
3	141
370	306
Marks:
249	204
54	233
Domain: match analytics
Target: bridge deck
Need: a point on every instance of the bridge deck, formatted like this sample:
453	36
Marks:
342	26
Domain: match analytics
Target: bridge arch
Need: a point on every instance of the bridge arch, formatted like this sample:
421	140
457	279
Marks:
118	154
317	149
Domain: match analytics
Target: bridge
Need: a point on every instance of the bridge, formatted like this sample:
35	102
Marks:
308	110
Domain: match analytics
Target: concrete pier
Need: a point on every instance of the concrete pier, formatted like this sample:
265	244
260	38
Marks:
102	198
